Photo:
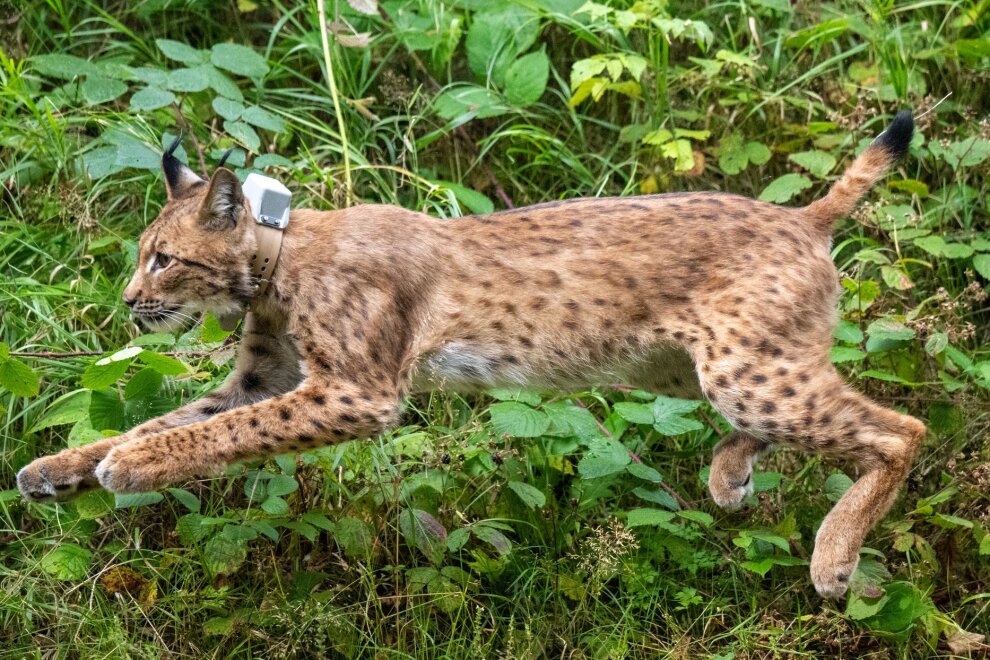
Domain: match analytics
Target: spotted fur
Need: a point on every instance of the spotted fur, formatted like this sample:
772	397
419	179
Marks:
692	294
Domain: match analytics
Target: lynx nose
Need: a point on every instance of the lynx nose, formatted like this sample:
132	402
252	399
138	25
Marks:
129	300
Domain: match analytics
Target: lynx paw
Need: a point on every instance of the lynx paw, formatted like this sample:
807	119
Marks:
120	472
729	491
832	569
57	478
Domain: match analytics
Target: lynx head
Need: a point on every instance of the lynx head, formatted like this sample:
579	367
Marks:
195	256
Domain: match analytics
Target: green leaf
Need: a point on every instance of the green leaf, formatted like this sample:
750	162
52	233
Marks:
68	562
637	413
18	378
658	496
889	329
569	420
96	90
151	98
223	85
135	500
94	504
836	486
67	409
222	556
271	160
606	456
424	532
163	364
190	529
243	133
66	67
758	153
526	79
227	108
644	517
764	481
817	162
106	411
186	498
784	188
180	52
981	264
668	419
840	354
354	537
466	101
189	80
143	385
517	419
531	496
937	246
937	342
644	472
104	373
275	506
281	484
493	537
263	119
475	202
239	59
700	517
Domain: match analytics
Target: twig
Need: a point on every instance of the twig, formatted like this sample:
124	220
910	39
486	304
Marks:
184	127
677	496
459	130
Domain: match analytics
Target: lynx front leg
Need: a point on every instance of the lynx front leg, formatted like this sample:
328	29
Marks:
731	476
267	364
316	414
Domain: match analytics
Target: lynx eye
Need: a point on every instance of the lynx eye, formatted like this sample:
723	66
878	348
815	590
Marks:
161	261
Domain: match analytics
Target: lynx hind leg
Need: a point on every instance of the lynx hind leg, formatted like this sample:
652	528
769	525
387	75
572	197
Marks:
806	404
730	480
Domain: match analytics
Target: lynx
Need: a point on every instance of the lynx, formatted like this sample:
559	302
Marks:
689	294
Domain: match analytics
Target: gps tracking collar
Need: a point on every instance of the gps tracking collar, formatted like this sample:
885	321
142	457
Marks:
269	202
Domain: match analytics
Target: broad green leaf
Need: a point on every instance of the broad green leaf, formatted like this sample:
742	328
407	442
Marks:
937	342
94	504
69	562
18	378
180	52
464	100
280	484
66	67
275	506
937	246
67	409
637	413
658	496
98	376
644	472
424	532
186	498
354	537
239	59
606	456
151	98
531	496
135	500
644	517
848	332
836	485
222	556
700	517
783	188
188	80
493	537
817	162
190	529
891	329
163	364
668	415
263	119
569	420
475	202
97	90
526	79
517	419
143	385
840	354
243	133
228	109
981	264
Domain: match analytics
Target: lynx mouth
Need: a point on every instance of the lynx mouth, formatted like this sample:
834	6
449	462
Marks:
163	319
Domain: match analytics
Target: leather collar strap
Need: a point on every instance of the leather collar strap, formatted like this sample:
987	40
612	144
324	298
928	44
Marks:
263	262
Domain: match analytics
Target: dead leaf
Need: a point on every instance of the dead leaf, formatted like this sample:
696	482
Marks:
962	642
121	579
347	37
369	7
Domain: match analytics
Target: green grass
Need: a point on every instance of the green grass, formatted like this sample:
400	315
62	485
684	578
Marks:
459	535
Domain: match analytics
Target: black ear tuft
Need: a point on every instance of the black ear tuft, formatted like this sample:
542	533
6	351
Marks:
179	179
226	155
224	201
897	138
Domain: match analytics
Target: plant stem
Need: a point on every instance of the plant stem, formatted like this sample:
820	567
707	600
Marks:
324	37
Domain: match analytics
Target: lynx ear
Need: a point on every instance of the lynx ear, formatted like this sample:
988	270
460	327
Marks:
224	201
179	179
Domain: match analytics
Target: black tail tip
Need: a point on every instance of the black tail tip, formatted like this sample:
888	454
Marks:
897	138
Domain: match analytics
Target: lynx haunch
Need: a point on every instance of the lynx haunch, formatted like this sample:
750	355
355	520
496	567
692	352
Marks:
691	294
